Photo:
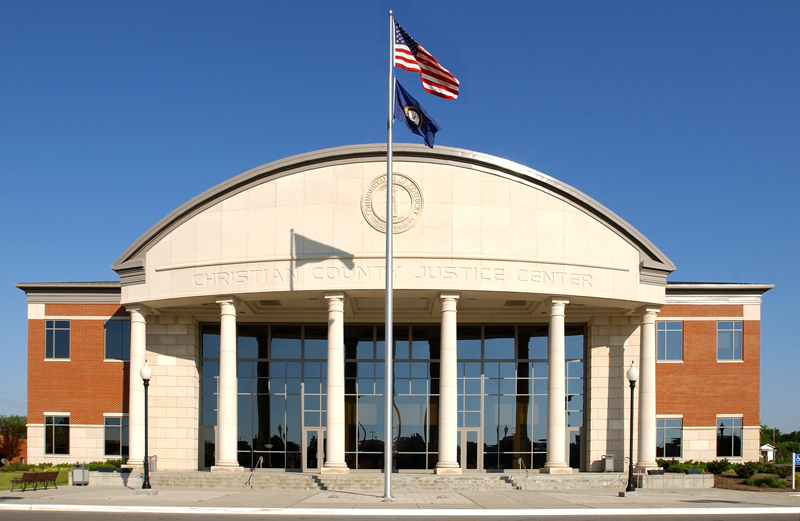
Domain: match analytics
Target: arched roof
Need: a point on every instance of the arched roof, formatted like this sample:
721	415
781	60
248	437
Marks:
654	265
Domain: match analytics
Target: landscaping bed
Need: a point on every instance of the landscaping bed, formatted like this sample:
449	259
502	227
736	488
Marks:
731	481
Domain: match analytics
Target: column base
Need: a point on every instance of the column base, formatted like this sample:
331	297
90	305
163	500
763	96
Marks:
649	465
224	468
335	468
447	469
556	470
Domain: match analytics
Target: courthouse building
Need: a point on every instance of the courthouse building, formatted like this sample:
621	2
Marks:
519	304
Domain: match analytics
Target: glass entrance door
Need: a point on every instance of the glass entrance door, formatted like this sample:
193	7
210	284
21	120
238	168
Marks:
313	449
574	447
209	447
467	452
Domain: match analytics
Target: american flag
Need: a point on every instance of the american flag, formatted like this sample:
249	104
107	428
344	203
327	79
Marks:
410	55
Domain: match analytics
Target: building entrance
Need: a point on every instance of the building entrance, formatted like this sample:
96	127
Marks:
468	453
313	449
502	396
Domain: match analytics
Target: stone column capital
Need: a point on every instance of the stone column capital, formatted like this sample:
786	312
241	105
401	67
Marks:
335	301
228	299
228	304
449	301
648	313
557	305
137	311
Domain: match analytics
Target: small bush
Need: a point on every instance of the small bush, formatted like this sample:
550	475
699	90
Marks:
745	470
766	468
17	467
718	466
666	463
675	467
768	482
783	471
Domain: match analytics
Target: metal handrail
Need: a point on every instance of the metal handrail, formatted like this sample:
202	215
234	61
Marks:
251	479
522	466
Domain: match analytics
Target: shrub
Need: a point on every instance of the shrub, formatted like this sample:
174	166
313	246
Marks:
783	471
17	467
675	467
666	463
768	482
745	470
766	468
718	466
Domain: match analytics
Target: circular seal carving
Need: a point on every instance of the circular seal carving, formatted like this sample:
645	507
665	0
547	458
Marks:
406	203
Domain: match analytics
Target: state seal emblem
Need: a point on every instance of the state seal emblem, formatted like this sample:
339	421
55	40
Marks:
406	203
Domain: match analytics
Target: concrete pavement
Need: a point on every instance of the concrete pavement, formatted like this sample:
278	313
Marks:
535	503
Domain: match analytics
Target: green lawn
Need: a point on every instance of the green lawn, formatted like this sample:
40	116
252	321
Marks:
6	477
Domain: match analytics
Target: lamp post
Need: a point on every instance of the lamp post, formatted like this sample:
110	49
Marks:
146	373
632	374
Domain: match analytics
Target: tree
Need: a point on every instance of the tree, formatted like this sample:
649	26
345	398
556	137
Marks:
12	430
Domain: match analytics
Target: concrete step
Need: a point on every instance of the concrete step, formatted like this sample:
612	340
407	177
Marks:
375	482
254	480
410	483
569	481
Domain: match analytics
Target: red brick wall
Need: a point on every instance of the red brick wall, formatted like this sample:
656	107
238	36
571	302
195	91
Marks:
85	386
721	310
700	387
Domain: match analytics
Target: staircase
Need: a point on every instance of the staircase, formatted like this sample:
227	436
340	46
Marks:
253	480
415	482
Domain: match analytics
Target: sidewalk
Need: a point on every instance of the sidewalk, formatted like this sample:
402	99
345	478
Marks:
572	502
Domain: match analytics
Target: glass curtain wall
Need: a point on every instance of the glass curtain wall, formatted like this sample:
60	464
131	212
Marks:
502	393
272	375
504	369
416	397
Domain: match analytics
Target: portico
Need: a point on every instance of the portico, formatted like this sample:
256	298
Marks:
519	303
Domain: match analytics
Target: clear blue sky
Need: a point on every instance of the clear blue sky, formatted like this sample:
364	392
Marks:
682	117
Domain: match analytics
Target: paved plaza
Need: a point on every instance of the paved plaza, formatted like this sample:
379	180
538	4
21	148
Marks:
571	502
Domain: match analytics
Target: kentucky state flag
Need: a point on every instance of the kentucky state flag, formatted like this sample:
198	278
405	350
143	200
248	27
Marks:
417	120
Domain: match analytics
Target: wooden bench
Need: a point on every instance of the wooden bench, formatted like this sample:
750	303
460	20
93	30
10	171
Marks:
35	479
46	478
27	479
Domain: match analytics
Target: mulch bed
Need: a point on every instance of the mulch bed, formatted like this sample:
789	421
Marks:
731	481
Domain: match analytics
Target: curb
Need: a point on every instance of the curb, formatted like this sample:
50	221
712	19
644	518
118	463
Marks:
401	512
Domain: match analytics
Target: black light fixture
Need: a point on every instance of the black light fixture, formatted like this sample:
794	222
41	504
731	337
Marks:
146	373
632	374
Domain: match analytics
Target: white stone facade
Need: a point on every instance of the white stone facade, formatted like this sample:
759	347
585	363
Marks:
484	241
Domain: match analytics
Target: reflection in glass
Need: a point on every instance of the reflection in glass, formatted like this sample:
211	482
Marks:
285	342
468	344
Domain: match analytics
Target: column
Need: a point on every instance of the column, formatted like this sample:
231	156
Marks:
448	390
556	393
647	390
227	403
334	428
136	386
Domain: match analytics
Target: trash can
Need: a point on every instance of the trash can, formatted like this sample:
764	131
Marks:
80	475
609	463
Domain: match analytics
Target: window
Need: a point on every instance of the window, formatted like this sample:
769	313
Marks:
56	339
118	339
669	337
669	434
729	340
116	436
729	437
56	434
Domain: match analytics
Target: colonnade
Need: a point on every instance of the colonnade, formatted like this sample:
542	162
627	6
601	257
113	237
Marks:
556	463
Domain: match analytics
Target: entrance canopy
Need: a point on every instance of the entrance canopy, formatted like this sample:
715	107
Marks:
504	236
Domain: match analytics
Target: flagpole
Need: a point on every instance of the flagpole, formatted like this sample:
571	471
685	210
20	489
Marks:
388	340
